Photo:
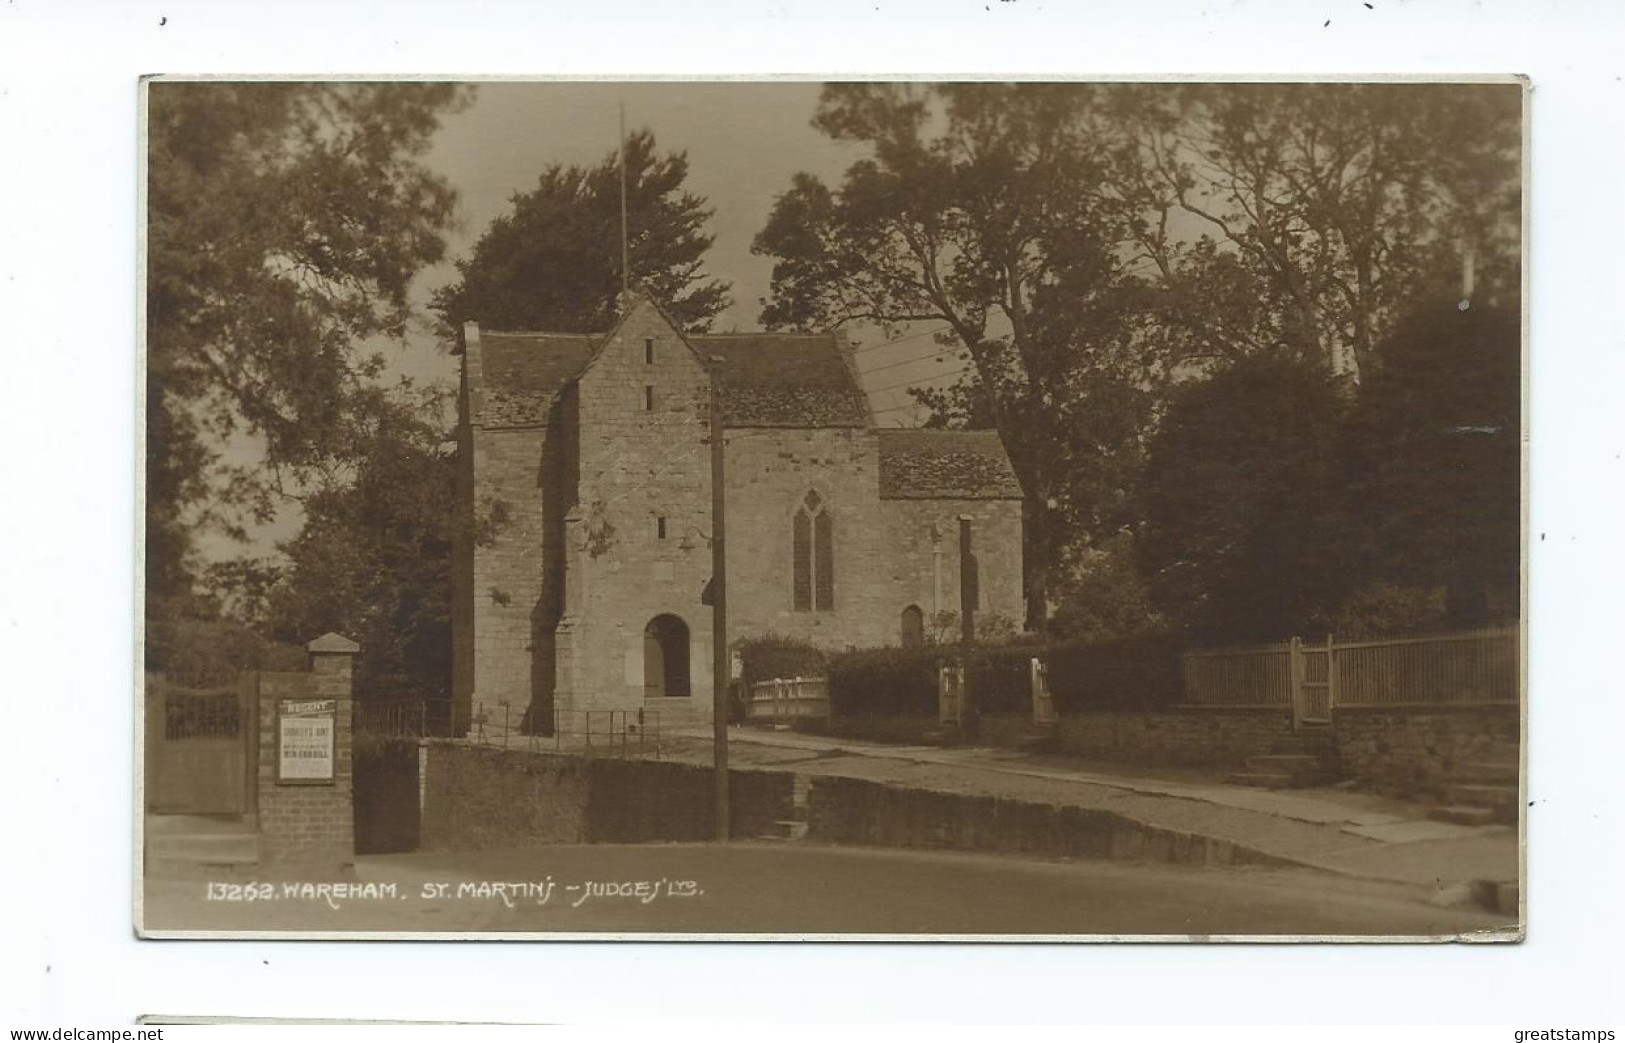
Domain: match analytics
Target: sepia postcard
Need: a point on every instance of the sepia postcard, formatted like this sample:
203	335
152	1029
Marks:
995	510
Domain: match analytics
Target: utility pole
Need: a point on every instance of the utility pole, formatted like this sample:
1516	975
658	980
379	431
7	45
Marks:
968	580
721	661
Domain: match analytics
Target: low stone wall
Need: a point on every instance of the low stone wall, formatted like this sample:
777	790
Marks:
1415	751
1186	737
856	811
478	797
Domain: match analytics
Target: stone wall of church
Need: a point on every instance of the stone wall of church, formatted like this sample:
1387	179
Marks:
769	473
922	557
506	585
637	466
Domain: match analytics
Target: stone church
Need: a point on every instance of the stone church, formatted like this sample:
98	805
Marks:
594	450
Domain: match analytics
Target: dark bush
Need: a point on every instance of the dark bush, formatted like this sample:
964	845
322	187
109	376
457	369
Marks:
1139	673
202	653
1001	677
903	681
776	655
1130	674
881	682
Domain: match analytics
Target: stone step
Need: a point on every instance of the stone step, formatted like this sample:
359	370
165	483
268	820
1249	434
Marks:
1482	795
1264	779
1486	771
1463	815
786	829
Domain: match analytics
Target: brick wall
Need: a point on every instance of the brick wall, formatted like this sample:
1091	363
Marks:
306	824
478	797
1413	752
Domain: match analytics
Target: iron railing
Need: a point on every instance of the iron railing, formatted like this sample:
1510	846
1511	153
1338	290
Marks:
596	732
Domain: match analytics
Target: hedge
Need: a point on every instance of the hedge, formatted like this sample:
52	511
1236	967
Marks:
1128	675
775	655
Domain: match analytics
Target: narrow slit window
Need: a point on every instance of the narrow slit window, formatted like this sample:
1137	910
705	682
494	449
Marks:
648	398
648	351
660	527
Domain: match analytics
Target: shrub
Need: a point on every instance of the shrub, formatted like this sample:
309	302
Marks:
776	655
203	653
878	682
1138	673
903	681
1131	674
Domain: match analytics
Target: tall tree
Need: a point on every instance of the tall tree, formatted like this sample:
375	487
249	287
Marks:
374	557
974	209
1245	533
1314	215
553	261
1436	444
285	223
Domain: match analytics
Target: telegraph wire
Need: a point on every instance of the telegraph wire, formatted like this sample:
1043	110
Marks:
922	380
917	358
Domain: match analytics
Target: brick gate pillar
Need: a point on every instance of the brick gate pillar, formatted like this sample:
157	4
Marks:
306	810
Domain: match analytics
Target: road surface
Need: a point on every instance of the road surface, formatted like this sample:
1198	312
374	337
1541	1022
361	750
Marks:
802	889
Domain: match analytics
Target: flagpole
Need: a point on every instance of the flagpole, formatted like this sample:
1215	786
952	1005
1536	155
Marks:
626	271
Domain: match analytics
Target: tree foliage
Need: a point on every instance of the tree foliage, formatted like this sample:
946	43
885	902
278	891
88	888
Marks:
1437	472
552	261
974	208
1245	534
1088	248
285	223
374	558
1309	217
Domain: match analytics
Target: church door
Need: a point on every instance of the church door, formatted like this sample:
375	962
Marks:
665	658
913	627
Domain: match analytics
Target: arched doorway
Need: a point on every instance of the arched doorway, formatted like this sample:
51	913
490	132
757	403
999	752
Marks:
665	658
913	627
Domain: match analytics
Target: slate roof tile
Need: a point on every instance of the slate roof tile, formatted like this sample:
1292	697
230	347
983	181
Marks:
768	379
924	464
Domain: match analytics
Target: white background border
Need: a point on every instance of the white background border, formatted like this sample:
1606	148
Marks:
67	524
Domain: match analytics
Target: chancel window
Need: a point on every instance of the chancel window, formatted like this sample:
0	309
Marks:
813	551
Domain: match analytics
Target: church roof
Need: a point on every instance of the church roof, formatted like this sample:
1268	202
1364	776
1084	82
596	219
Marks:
524	371
785	380
768	379
929	464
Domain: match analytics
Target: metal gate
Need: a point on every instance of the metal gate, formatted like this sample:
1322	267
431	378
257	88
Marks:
1314	682
201	749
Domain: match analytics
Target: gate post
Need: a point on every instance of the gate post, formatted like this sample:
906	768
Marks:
306	792
1296	674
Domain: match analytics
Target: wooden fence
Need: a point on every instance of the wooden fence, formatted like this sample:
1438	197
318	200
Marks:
1467	668
783	701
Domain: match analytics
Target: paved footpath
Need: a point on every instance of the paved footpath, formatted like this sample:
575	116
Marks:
1340	831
